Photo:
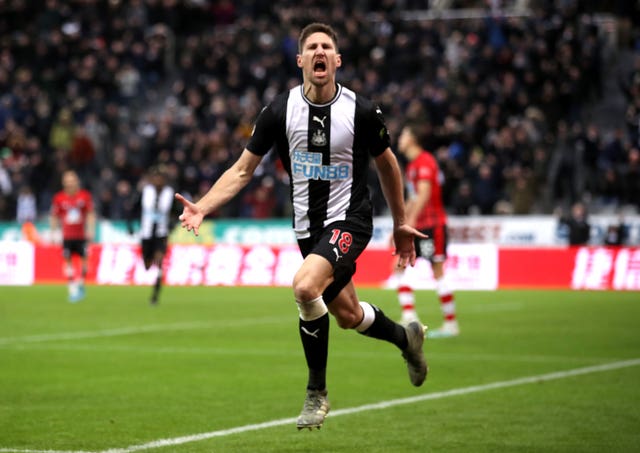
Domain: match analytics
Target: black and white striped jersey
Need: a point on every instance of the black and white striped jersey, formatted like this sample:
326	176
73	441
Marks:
326	149
155	206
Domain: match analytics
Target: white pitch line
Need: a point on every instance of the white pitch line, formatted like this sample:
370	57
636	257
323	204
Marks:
15	450
527	358
358	409
134	330
101	333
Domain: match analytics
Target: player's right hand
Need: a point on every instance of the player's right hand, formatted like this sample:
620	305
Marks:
191	217
404	238
56	237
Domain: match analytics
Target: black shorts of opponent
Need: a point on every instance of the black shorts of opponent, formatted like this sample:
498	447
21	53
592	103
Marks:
72	247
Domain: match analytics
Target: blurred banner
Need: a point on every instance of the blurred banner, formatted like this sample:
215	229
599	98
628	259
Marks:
470	266
17	263
499	230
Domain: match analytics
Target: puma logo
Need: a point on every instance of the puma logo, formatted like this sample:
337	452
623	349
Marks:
335	250
313	334
321	121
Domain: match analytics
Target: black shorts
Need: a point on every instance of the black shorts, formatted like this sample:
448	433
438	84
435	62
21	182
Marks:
152	245
72	247
434	248
341	243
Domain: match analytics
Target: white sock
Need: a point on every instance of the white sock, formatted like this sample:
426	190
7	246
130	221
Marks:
368	318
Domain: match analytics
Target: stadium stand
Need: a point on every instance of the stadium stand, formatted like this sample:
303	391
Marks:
511	98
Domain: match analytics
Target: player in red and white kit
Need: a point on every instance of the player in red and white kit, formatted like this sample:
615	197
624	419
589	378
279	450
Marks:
72	210
425	211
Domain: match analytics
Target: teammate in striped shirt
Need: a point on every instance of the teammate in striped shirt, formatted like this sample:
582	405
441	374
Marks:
426	212
325	135
155	206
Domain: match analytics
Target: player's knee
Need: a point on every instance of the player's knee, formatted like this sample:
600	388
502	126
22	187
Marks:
305	288
311	310
302	291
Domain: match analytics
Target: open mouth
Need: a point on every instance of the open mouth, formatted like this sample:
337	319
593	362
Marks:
319	66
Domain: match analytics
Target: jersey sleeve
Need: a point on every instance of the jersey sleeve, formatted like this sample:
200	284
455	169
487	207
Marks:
263	135
55	205
88	201
426	170
379	140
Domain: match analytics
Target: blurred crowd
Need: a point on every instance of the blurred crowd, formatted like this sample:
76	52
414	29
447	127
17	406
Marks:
110	88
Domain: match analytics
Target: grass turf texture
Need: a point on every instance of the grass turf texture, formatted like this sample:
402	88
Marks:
112	372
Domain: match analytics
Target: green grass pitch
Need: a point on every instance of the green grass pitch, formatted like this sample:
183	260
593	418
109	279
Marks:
222	370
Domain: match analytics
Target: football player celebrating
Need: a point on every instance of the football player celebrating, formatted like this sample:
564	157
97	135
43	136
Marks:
325	136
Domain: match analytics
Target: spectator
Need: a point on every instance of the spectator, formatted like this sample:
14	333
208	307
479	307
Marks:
485	192
566	168
6	186
614	152
631	178
522	191
616	234
577	225
26	205
590	146
110	65
260	203
120	203
82	154
62	131
7	210
462	203
610	188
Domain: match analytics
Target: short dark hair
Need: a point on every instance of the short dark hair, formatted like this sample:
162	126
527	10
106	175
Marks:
416	129
158	170
317	27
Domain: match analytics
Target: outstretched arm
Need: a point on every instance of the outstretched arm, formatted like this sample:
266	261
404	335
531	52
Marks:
417	204
225	188
391	182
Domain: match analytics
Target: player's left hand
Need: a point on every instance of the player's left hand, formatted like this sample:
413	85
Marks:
404	240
